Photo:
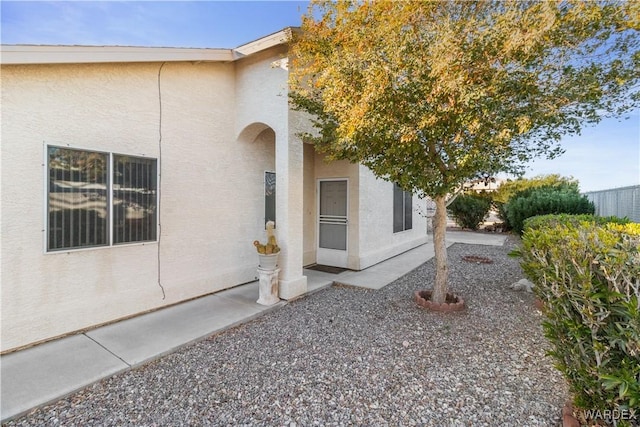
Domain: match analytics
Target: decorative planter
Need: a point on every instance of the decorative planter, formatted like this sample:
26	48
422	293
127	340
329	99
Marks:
268	261
268	286
452	303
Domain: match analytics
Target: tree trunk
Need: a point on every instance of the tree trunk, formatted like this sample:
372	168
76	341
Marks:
442	270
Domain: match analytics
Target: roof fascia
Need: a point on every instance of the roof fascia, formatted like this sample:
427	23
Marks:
34	54
264	43
47	54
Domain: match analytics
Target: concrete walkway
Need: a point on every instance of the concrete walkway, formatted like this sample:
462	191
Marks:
50	371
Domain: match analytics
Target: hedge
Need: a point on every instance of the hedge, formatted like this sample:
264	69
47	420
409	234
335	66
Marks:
469	210
545	200
586	271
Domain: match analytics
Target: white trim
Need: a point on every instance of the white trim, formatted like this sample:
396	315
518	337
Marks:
98	248
33	54
45	186
263	43
49	54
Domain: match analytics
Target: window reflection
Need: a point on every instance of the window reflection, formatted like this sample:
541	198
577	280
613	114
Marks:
134	199
79	191
269	197
78	198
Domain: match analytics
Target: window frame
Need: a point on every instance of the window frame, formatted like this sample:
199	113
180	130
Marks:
110	198
404	197
112	186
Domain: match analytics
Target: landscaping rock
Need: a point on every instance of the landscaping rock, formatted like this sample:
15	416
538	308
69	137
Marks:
522	285
348	356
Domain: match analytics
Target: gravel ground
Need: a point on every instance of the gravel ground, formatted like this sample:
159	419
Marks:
353	357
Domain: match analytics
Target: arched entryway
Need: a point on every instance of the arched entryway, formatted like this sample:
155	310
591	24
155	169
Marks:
276	192
258	144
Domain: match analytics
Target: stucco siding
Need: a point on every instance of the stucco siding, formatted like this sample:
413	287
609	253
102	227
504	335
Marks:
261	91
214	128
47	295
262	99
197	181
211	191
300	123
377	239
310	212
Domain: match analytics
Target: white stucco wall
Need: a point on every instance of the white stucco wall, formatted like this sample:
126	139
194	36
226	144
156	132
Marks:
309	206
222	126
300	123
377	239
262	97
212	197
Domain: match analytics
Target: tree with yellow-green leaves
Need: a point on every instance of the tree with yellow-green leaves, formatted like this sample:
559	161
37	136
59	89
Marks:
430	94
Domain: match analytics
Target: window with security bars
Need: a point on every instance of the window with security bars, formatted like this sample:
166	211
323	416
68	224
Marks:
402	209
134	199
99	199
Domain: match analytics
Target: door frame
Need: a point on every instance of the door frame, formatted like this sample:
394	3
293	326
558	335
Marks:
332	257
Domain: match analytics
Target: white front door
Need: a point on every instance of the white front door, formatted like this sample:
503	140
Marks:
332	222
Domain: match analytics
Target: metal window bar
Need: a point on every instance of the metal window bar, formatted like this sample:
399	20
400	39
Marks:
126	196
71	178
402	209
73	211
140	231
133	196
136	199
87	216
408	210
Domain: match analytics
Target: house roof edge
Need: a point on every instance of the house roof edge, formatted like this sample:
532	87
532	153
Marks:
66	54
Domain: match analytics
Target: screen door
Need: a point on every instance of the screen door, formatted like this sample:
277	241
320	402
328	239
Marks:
332	222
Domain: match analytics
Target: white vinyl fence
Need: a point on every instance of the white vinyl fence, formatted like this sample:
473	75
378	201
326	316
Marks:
620	202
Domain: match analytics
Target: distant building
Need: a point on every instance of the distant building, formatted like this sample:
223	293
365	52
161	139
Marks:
484	185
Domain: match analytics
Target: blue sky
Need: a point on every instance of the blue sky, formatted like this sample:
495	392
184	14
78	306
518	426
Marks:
604	156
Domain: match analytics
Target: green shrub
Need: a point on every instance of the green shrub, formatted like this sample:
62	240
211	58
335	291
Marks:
469	210
545	200
587	273
551	220
502	214
510	188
